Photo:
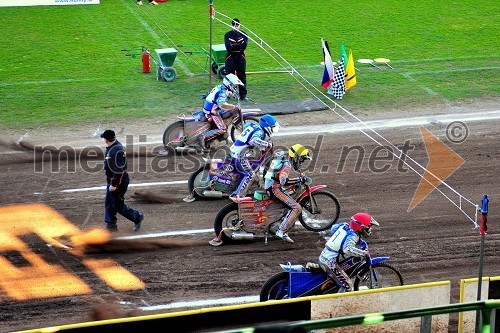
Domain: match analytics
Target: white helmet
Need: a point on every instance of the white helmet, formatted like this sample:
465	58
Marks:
230	81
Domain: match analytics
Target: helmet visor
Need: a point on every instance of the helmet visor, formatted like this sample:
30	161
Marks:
373	222
276	128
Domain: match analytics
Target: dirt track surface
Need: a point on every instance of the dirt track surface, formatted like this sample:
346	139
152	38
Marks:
432	242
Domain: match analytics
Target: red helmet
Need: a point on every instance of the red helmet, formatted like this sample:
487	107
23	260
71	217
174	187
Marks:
362	223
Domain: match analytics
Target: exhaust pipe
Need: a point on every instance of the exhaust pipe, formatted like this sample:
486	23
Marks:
185	150
212	194
242	236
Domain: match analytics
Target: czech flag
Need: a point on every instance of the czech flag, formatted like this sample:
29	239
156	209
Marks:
328	63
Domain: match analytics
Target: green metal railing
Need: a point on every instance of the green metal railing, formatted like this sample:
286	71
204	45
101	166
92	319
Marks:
486	308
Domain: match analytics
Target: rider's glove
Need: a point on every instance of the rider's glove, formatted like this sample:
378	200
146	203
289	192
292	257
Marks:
306	180
236	108
367	254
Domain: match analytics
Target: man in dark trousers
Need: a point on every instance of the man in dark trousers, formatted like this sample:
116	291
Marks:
236	42
115	166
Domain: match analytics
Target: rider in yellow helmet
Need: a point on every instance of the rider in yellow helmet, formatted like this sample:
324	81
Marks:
277	179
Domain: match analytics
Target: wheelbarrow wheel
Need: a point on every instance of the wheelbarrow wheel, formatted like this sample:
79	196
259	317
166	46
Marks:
158	73
221	71
168	74
215	67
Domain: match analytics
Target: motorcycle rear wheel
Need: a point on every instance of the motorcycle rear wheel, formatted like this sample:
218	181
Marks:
198	182
227	217
384	275
173	134
322	214
236	129
276	287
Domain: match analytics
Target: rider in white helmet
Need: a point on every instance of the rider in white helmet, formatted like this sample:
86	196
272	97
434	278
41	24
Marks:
346	241
216	100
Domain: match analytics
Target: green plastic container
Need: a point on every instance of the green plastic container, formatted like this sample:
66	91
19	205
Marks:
260	195
166	56
219	53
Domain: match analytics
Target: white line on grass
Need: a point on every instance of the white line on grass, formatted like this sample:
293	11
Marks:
153	33
439	71
49	82
428	90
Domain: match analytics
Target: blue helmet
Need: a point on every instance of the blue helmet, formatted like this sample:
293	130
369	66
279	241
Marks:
268	124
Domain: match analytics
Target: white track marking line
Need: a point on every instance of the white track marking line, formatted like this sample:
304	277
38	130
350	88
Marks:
99	188
382	123
169	233
201	303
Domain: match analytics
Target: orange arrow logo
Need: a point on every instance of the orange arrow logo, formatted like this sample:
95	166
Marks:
442	163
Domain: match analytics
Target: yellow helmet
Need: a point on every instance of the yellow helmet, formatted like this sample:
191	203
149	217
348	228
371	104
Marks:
298	154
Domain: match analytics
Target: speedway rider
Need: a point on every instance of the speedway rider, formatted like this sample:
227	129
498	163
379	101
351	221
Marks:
345	237
253	136
277	179
214	102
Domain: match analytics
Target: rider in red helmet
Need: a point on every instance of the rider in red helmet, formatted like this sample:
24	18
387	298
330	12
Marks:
346	241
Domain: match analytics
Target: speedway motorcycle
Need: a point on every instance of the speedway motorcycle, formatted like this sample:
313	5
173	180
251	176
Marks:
260	216
184	135
299	280
219	178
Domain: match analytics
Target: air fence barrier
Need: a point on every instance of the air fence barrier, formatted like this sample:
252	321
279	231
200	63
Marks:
490	289
422	308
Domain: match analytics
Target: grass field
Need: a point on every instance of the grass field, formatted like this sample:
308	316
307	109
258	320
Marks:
65	64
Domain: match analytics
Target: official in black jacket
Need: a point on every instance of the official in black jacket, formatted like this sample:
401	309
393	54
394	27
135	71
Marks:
117	179
236	42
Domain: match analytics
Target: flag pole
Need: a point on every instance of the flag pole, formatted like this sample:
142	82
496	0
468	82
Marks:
482	232
211	14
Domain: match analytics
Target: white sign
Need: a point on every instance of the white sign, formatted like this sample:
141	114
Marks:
17	3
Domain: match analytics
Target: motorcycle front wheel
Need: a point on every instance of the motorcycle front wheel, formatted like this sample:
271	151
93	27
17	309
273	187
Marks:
383	275
237	128
276	287
226	218
321	212
174	134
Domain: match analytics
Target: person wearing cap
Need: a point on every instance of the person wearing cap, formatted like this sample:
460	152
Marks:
117	179
236	42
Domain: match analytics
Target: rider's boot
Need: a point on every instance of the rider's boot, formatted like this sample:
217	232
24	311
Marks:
242	187
345	289
284	236
203	144
208	136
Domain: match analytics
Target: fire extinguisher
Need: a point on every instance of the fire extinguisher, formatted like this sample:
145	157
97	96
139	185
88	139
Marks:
146	61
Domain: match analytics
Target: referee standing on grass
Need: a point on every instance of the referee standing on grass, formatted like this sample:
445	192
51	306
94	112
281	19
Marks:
117	180
236	42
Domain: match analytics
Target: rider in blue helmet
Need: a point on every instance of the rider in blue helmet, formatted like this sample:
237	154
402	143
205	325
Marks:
253	136
268	123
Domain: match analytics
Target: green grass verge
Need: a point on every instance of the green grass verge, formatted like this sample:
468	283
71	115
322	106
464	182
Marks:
65	64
